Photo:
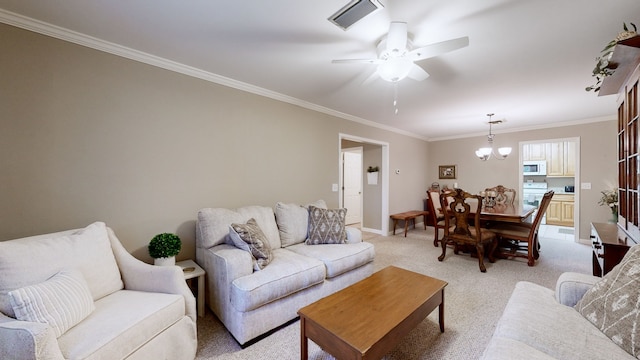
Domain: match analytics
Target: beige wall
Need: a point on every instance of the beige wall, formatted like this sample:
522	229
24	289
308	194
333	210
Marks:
89	136
597	165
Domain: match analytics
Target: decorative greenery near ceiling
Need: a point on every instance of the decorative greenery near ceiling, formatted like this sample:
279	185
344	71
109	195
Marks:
603	67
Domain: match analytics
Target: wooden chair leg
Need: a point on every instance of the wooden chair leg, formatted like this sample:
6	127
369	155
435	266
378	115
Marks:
480	250
435	236
443	243
492	251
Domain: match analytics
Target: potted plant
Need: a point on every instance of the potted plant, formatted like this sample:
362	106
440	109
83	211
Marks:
164	247
604	67
610	199
372	175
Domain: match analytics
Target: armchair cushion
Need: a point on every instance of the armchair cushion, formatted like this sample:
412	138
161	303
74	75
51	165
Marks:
62	301
87	250
613	303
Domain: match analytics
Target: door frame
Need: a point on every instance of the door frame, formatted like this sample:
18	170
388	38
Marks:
576	179
384	183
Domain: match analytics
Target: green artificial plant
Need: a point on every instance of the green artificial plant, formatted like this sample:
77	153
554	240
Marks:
164	245
604	67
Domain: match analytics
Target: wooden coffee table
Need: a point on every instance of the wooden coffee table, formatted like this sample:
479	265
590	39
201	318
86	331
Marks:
369	318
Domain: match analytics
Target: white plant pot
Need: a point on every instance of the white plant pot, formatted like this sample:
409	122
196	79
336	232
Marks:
170	261
372	178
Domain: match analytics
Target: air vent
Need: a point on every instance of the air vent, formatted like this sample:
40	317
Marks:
353	12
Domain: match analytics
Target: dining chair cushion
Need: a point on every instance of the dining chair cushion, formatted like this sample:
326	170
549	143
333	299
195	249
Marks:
509	230
484	233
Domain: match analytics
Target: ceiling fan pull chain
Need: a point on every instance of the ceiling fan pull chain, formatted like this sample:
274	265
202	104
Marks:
395	98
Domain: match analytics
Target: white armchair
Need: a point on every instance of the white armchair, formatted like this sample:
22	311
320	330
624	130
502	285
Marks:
134	310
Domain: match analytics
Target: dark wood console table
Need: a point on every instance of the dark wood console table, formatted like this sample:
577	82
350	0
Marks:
609	244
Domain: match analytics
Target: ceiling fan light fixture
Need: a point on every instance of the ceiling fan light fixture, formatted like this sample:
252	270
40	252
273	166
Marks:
395	69
486	152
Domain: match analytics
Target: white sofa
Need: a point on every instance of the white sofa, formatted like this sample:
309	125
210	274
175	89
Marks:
539	324
128	309
251	303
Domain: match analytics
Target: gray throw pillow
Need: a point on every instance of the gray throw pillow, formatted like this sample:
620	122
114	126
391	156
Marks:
249	237
326	226
613	303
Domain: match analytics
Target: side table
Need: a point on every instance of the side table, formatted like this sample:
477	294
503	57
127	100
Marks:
192	270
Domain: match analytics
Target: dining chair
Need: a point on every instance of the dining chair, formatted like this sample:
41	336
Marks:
459	231
504	195
435	213
521	239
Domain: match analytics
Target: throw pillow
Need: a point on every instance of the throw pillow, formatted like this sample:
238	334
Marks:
613	303
326	226
249	237
293	221
62	301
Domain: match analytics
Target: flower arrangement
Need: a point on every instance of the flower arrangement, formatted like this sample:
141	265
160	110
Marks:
371	169
605	68
610	198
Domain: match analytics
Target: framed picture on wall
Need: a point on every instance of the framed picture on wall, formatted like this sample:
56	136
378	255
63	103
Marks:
447	171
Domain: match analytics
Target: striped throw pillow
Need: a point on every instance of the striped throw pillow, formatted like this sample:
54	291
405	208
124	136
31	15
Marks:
62	301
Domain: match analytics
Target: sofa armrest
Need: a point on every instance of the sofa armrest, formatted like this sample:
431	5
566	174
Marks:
354	235
571	286
138	275
223	263
27	340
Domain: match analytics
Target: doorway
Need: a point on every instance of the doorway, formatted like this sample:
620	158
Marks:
352	184
561	160
375	198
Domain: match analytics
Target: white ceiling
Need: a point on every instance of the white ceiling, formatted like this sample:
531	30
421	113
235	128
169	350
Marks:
528	61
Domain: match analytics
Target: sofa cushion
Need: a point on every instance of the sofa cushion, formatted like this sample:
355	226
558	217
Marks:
338	258
213	224
326	226
613	303
33	260
121	323
293	221
534	317
61	301
287	273
249	237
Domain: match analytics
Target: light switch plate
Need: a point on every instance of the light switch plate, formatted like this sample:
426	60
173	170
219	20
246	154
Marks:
585	186
334	187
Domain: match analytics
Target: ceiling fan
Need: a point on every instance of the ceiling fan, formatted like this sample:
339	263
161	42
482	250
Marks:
397	57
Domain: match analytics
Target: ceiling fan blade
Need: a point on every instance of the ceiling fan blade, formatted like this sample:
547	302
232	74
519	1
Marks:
371	78
397	37
417	73
439	48
356	61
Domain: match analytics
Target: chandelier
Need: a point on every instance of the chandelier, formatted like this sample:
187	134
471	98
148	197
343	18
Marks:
485	153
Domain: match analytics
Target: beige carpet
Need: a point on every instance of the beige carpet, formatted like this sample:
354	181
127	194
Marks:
473	301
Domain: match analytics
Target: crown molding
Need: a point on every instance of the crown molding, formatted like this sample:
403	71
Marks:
529	128
61	33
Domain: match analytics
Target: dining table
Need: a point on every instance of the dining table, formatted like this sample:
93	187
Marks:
515	213
510	213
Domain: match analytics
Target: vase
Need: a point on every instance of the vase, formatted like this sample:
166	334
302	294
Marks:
372	178
165	261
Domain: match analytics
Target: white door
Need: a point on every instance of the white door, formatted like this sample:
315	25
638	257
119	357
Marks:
352	182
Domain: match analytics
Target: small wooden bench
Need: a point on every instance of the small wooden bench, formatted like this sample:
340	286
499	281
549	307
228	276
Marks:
407	217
